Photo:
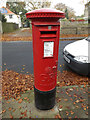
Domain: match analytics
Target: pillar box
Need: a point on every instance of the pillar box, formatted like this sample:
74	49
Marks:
45	31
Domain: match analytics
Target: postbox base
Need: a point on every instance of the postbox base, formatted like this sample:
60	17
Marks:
44	100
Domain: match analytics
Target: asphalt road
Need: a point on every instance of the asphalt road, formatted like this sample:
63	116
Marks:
18	56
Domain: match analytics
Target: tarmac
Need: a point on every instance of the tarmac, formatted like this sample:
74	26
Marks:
18	53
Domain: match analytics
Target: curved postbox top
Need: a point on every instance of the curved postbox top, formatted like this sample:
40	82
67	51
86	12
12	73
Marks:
45	13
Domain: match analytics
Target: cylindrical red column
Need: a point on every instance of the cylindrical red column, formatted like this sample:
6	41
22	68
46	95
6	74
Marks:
45	31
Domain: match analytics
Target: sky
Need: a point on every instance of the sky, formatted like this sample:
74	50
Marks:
76	5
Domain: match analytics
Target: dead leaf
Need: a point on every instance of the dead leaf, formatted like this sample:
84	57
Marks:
11	116
57	91
20	101
84	108
14	110
86	113
10	109
60	106
77	101
52	109
65	99
59	100
77	106
57	116
3	111
25	98
67	113
72	112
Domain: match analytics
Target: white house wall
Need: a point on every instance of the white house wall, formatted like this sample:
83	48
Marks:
15	19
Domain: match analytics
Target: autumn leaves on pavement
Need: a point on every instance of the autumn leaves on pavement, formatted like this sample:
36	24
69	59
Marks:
13	83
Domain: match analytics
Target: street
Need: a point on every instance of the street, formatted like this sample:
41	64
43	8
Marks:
15	55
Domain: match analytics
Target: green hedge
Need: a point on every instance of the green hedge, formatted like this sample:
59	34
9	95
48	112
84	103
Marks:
9	27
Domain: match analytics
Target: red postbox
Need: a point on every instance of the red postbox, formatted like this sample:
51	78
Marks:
45	31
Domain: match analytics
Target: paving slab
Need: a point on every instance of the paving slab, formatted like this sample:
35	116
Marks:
71	102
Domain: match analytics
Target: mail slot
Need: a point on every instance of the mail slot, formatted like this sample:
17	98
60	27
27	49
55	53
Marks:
45	31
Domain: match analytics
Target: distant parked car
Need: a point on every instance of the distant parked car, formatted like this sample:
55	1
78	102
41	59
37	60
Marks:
77	56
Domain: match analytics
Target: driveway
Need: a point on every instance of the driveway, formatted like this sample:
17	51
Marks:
18	56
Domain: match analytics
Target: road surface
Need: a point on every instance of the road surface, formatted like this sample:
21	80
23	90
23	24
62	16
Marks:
18	56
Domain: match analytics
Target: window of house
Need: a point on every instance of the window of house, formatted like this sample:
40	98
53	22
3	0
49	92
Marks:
10	16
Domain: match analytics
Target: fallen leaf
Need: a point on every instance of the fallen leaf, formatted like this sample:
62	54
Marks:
20	101
52	109
14	110
57	116
7	102
74	103
25	98
72	112
57	91
3	111
58	82
84	108
60	106
65	99
67	113
77	101
11	116
10	109
59	100
77	106
4	63
19	107
86	113
75	116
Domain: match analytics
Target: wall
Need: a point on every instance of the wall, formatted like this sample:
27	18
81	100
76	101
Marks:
74	27
75	30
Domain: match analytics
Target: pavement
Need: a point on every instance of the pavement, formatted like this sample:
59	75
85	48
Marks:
23	32
71	102
16	54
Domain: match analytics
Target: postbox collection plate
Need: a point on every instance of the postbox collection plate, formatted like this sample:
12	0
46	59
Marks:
48	48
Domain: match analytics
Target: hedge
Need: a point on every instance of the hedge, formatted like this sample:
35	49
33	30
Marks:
9	27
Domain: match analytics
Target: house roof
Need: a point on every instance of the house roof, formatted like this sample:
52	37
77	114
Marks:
5	10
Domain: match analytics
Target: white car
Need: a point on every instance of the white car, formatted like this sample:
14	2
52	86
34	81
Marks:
77	56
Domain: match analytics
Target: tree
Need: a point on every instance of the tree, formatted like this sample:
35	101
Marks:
37	4
18	8
2	18
60	6
69	11
66	13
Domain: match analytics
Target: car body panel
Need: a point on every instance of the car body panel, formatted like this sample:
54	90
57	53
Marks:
78	48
